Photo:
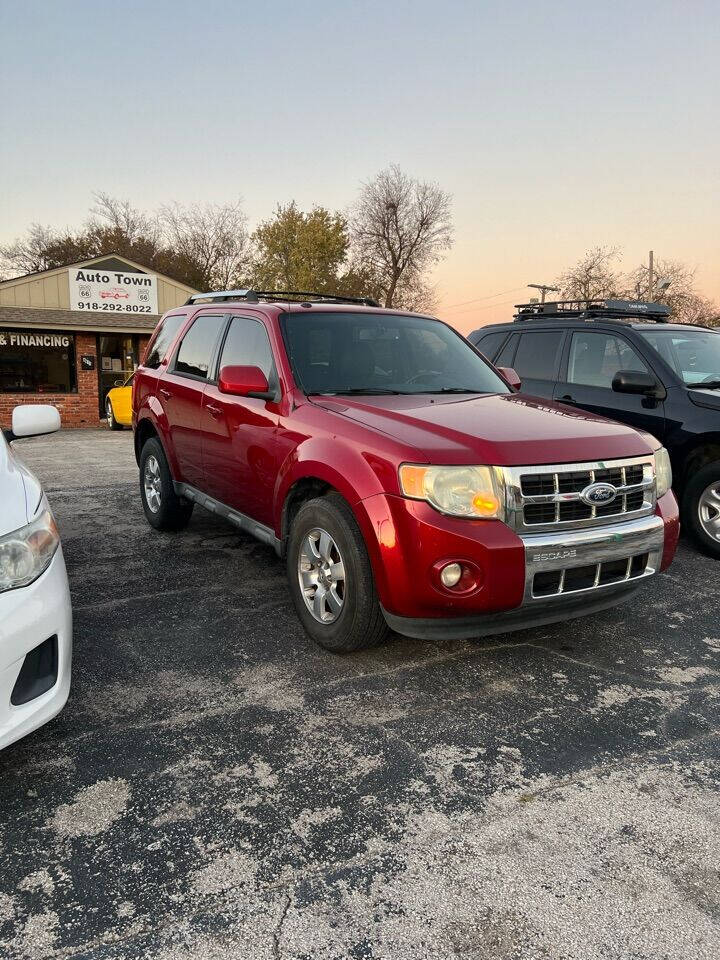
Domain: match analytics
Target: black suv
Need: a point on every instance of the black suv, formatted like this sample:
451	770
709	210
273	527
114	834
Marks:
626	361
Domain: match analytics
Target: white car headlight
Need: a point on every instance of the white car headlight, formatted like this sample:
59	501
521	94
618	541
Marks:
474	492
26	553
663	472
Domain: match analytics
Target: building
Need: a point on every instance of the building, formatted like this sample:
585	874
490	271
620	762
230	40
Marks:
69	334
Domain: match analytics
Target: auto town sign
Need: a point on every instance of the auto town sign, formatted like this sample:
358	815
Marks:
112	291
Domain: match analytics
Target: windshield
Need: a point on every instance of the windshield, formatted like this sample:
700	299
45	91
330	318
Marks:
693	354
365	353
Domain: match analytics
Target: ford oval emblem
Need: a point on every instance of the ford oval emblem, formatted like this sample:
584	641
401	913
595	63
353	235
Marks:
598	494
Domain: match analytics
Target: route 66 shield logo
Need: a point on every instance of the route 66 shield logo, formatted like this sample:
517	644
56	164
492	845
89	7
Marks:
84	290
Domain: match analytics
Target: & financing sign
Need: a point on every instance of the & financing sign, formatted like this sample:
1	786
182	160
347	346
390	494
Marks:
111	291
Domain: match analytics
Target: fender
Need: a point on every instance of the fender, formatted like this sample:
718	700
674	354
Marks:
152	410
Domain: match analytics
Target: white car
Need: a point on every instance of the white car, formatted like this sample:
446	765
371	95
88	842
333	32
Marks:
35	611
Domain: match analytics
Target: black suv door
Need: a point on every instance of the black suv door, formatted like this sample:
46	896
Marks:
591	360
536	360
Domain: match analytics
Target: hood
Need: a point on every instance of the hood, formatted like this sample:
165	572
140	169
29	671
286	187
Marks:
20	492
705	398
499	429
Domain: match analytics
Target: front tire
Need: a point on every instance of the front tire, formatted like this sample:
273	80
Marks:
330	577
701	508
110	416
164	509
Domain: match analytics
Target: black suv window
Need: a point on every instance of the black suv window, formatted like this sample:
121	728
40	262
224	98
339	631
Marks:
247	345
595	358
162	338
537	355
507	354
488	344
197	346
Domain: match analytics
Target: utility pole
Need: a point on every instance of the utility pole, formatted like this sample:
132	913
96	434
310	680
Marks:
651	278
543	288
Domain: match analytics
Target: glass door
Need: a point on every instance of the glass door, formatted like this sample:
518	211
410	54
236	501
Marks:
117	359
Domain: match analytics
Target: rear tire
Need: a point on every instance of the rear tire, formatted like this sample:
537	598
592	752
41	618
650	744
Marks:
336	601
701	508
110	416
164	509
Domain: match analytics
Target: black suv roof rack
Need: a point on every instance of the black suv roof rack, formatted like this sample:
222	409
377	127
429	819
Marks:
593	309
295	296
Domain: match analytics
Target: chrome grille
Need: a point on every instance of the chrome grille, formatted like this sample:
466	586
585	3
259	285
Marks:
551	583
540	498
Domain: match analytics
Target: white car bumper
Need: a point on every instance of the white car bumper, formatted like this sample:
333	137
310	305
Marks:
30	616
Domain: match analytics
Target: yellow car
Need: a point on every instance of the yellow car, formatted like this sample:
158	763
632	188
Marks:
118	405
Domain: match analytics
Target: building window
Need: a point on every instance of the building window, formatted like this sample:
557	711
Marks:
37	361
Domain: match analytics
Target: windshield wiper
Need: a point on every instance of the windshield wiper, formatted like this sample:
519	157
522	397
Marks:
368	391
709	385
454	390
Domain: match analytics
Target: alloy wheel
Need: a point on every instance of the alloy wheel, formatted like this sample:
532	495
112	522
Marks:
709	510
152	483
321	573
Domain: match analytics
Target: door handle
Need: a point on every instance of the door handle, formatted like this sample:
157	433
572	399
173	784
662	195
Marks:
164	393
214	411
567	399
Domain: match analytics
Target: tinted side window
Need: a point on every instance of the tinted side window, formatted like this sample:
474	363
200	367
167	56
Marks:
537	355
162	338
507	354
197	345
488	344
595	358
247	345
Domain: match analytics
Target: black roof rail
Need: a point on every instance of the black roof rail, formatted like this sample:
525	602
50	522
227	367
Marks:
300	296
593	309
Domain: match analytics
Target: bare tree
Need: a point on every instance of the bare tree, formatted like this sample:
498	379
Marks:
121	216
593	277
674	285
399	228
29	254
211	238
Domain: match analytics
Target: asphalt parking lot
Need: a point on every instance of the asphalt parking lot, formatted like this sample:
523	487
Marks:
219	787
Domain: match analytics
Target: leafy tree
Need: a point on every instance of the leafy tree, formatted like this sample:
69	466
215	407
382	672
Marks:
400	228
300	251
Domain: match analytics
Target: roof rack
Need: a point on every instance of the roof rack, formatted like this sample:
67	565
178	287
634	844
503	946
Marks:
295	296
592	309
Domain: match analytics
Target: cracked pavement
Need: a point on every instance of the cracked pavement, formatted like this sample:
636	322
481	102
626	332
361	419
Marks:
217	786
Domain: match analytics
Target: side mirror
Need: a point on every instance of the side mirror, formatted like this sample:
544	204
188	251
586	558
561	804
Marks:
634	381
33	420
512	378
245	382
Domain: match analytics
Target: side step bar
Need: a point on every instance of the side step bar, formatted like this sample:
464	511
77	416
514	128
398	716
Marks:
241	520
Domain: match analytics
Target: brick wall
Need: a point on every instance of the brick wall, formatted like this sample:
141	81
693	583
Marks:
76	409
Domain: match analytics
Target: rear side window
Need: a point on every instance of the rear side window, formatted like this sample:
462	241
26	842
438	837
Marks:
198	346
247	345
507	354
488	344
537	355
162	338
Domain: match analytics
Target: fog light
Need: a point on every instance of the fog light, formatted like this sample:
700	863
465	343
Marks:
450	575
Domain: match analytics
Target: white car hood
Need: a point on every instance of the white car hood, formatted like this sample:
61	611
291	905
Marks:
20	491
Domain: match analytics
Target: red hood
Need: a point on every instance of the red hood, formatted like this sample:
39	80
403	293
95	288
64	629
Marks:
505	430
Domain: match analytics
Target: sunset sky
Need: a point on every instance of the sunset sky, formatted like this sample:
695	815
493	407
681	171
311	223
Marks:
556	126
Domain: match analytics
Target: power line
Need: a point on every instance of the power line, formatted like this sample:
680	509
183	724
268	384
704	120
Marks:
478	299
487	306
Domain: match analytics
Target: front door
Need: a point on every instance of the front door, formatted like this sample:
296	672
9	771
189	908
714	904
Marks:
593	359
240	433
117	359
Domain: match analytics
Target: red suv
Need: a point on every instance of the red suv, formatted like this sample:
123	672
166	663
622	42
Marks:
402	477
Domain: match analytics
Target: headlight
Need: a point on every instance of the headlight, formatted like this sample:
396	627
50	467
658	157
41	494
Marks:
460	491
27	552
663	472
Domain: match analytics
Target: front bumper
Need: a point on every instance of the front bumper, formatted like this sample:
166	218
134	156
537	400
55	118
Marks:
526	580
29	616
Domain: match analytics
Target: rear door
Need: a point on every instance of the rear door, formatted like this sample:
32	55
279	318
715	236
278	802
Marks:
593	357
240	433
537	360
180	391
